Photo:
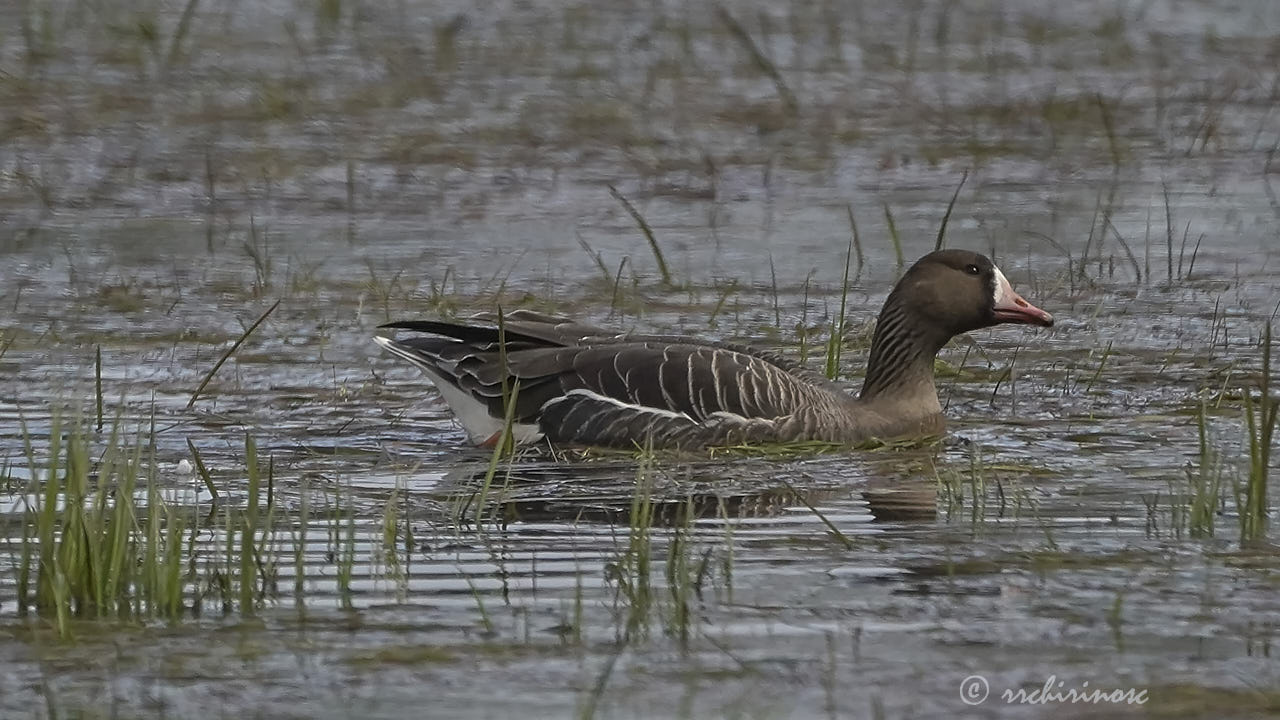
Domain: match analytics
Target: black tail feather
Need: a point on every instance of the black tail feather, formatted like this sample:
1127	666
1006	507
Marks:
479	336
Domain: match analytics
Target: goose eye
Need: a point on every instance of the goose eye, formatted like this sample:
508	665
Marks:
971	269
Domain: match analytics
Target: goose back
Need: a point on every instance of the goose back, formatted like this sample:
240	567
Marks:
580	385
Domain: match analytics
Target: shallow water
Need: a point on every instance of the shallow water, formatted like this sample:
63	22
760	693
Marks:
160	189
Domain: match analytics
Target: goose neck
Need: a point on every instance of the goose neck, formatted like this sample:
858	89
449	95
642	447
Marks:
902	354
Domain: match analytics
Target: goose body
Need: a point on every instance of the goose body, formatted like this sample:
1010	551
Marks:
577	384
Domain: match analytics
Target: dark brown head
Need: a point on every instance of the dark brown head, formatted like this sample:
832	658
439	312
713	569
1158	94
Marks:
958	291
944	294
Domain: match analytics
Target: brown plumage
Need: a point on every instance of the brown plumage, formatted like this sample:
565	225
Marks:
583	385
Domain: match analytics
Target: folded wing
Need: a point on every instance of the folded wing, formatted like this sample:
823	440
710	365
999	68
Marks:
579	384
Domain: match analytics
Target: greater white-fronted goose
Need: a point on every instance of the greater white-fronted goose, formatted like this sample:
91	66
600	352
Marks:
583	385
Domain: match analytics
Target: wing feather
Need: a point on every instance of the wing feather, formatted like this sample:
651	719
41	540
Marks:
610	390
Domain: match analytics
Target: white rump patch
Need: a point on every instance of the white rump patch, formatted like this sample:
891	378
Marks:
472	413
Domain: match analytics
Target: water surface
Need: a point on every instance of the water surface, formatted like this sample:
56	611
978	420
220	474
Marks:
163	182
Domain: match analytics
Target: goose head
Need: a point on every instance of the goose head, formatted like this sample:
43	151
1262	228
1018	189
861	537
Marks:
944	294
958	291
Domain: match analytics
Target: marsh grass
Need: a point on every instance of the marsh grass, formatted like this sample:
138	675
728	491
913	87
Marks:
97	385
989	489
385	288
180	32
1260	424
663	272
393	568
894	238
1196	510
504	447
597	259
1102	363
758	58
854	237
103	538
591	702
299	538
488	508
258	249
229	352
728	290
631	572
203	471
89	550
340	547
661	568
946	216
835	340
954	485
1205	483
802	328
831	527
686	571
778	451
253	573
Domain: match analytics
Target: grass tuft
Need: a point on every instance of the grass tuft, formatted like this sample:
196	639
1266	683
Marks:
758	57
89	549
1260	424
946	217
229	352
663	271
835	341
1205	483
